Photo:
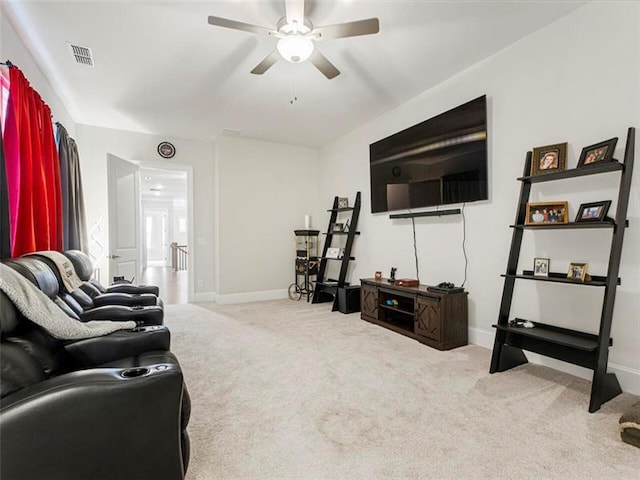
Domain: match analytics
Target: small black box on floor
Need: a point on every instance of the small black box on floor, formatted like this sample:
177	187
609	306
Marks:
349	299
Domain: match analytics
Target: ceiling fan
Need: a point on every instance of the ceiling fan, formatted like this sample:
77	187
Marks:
297	35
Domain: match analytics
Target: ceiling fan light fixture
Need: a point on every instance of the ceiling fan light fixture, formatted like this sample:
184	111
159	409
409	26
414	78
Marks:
295	48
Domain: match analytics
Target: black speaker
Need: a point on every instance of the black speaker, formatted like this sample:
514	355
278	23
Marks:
349	299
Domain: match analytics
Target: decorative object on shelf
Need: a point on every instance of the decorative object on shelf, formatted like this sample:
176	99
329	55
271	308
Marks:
549	159
378	276
333	252
341	254
540	213
392	275
337	227
541	267
345	227
307	222
517	322
593	212
407	282
166	150
306	265
343	202
577	271
597	153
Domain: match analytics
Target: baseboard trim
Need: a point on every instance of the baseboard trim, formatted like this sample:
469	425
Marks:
202	297
247	297
629	378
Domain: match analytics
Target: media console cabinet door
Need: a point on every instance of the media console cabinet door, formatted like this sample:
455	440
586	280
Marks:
428	320
369	301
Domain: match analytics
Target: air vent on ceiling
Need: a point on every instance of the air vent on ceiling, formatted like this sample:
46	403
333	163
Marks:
83	55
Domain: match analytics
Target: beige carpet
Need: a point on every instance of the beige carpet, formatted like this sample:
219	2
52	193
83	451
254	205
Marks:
289	390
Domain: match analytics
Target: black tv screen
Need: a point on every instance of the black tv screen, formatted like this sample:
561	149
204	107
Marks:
440	161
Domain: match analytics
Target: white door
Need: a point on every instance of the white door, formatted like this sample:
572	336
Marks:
124	218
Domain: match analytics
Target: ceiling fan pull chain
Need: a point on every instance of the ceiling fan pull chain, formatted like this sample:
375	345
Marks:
294	92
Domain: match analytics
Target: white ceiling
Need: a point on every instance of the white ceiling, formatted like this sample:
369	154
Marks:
161	69
161	185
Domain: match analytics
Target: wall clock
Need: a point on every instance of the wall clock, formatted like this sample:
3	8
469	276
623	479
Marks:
166	150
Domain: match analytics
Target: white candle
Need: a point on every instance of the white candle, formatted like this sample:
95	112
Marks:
307	222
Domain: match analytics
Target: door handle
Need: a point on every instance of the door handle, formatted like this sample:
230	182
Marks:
113	257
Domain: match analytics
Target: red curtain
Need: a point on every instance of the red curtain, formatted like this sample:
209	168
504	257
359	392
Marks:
33	170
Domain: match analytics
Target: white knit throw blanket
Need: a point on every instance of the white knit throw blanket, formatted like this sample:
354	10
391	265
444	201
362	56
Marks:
70	278
41	310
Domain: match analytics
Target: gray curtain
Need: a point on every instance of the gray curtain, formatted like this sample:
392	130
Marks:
74	227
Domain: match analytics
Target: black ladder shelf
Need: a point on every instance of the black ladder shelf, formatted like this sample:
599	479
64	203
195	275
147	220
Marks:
579	348
326	289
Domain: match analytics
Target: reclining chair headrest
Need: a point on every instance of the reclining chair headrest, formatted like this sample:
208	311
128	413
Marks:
37	272
81	263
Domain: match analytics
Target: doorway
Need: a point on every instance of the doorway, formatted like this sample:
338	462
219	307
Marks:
164	194
156	236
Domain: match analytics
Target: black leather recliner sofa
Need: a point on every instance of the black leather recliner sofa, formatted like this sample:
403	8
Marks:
85	410
84	268
101	408
78	304
98	295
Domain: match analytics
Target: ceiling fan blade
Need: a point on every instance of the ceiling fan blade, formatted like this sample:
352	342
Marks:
267	63
295	11
247	27
325	66
349	29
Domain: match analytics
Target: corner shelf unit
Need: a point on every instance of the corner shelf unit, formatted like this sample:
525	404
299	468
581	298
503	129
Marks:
572	346
326	289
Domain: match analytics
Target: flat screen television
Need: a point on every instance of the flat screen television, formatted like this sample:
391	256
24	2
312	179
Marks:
440	161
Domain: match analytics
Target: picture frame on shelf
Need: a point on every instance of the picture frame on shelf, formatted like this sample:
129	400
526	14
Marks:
597	153
343	202
549	159
333	252
593	212
577	271
337	227
545	213
540	267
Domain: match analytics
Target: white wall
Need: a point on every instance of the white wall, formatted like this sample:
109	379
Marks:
264	189
95	142
13	48
575	80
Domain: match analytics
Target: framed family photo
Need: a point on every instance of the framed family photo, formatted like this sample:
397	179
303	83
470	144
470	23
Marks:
593	212
343	202
542	213
549	159
577	271
541	267
598	153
